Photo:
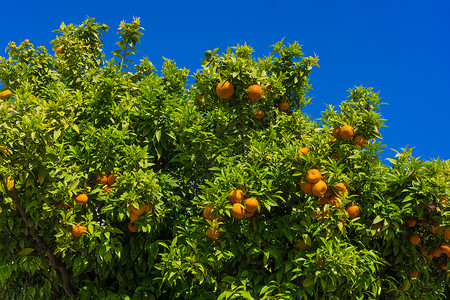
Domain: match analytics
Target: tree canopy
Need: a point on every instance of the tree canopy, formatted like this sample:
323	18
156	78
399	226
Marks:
123	182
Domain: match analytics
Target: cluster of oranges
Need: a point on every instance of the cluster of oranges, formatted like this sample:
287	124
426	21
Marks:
347	132
436	252
236	197
314	185
107	181
255	92
135	213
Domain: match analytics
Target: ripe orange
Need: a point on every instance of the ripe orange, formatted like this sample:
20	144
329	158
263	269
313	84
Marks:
102	178
319	188
78	230
360	141
4	93
237	211
301	245
255	92
313	176
138	211
251	205
353	210
340	188
236	196
284	106
212	234
107	189
323	201
445	248
133	217
411	222
414	239
132	228
413	274
259	114
423	223
444	265
437	252
336	134
346	132
112	179
81	198
148	208
302	151
321	264
335	201
248	214
447	232
224	90
59	50
207	213
306	187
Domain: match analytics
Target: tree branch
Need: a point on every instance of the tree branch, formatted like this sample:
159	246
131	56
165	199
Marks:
42	246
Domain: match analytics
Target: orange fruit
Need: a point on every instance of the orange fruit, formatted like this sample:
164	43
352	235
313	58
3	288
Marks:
107	189
4	93
251	204
424	250
336	134
81	198
236	196
411	222
321	264
444	265
224	90
207	213
353	210
102	178
323	201
445	248
302	151
212	234
360	141
423	223
319	188
237	211
112	179
248	214
346	132
413	274
313	176
340	188
306	187
259	114
284	106
78	230
255	92
59	50
148	208
132	228
301	245
447	233
138	211
437	252
133	217
414	239
268	87
334	200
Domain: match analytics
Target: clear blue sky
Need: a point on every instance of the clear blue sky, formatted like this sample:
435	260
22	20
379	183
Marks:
400	48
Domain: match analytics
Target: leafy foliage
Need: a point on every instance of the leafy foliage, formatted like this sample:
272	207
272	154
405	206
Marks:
171	149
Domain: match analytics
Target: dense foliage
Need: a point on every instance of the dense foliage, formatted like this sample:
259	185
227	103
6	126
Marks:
117	181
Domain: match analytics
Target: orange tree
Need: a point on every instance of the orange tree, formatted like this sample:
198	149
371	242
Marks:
125	183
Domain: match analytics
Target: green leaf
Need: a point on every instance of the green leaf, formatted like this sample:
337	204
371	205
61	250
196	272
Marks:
25	251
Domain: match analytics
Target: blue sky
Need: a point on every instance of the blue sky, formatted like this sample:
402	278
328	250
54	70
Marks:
400	48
